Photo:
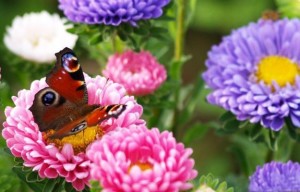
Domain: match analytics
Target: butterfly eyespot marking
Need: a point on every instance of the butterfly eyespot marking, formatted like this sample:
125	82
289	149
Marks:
79	127
115	110
48	98
70	63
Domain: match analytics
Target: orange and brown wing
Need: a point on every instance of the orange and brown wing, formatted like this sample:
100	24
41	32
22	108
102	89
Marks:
52	111
67	78
93	118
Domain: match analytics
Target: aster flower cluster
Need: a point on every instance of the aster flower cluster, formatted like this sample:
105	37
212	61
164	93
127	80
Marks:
254	74
144	158
139	73
246	75
276	176
112	12
141	160
26	141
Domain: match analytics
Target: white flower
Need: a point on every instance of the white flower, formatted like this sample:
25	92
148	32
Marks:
37	36
205	188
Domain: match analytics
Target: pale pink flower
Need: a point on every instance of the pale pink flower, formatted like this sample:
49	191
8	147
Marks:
141	160
26	141
140	73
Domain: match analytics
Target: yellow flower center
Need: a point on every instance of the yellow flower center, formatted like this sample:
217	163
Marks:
79	141
279	69
142	166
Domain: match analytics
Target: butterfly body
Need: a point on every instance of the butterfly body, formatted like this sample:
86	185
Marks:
63	106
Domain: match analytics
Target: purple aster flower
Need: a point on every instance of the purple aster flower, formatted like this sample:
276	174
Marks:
254	73
112	12
276	177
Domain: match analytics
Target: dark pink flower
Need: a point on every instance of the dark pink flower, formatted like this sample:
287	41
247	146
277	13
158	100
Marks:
26	141
141	160
140	73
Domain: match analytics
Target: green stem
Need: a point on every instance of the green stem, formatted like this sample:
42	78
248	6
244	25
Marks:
179	39
114	41
178	53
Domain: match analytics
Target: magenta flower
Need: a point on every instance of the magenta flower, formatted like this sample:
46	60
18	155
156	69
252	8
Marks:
51	160
141	160
140	73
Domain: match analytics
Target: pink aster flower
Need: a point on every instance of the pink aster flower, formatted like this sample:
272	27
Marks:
26	141
141	160
140	73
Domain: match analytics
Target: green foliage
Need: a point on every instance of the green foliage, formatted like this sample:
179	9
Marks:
289	8
223	16
28	179
95	186
8	180
135	37
175	106
293	131
255	131
238	182
248	154
198	131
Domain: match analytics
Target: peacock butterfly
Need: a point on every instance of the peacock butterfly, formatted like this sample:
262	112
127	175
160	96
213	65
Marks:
63	106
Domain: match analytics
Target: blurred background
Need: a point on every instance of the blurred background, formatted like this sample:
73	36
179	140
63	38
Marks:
212	20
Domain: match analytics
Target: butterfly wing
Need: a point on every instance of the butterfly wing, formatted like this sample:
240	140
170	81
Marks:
63	105
60	103
67	78
93	118
52	111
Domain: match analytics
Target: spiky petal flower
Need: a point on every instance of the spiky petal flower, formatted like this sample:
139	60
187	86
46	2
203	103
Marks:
36	36
140	73
254	73
276	176
25	140
112	12
141	160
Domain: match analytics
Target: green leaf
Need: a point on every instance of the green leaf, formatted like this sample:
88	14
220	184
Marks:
190	105
293	131
248	154
122	35
231	126
286	146
227	116
271	139
69	187
255	131
241	159
59	185
192	4
133	42
141	31
72	30
50	185
18	161
237	182
96	39
7	150
5	96
176	66
95	186
197	131
37	187
32	177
